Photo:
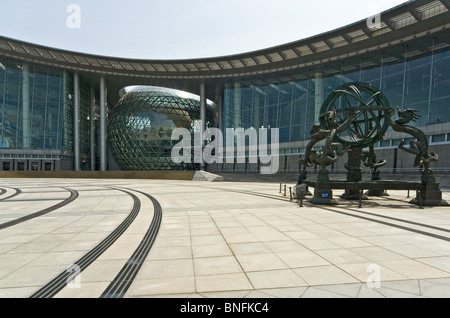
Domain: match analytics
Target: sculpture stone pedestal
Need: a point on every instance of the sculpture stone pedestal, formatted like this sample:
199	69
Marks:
431	195
377	193
354	174
300	191
323	196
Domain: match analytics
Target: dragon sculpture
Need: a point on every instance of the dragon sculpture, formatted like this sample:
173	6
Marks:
331	150
419	146
370	160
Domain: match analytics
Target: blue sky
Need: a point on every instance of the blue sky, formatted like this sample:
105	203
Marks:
179	29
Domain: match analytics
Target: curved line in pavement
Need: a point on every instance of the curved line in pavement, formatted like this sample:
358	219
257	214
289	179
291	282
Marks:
73	196
60	281
18	191
119	286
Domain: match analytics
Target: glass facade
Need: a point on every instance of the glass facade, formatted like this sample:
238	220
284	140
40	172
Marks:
411	77
37	111
31	106
37	102
68	106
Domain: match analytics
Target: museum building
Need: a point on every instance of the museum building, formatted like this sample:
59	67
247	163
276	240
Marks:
62	110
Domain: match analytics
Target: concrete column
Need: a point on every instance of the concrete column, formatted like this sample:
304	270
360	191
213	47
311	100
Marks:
203	118
430	93
92	128
76	121
237	106
220	104
220	126
319	95
256	124
203	105
103	99
26	108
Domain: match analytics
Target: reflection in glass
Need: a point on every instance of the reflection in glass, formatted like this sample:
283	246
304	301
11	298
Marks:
142	123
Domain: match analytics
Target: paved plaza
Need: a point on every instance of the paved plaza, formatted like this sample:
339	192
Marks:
191	239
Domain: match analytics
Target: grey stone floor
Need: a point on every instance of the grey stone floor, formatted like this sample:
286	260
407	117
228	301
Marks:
223	240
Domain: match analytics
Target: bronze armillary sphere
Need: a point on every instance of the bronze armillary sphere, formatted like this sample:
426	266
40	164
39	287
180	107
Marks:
371	111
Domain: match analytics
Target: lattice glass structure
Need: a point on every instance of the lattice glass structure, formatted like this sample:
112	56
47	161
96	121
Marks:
142	123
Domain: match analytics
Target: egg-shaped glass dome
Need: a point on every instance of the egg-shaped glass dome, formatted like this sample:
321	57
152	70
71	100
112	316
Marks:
141	126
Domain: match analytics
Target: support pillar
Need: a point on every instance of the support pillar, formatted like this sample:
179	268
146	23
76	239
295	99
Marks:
220	126
237	105
256	111
26	122
202	119
232	152
103	98
92	128
319	95
76	121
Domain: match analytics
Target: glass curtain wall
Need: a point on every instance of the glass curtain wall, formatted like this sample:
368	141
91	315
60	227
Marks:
85	107
408	77
36	108
289	107
68	108
31	106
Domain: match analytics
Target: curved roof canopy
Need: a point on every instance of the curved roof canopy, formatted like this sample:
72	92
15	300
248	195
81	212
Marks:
398	25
